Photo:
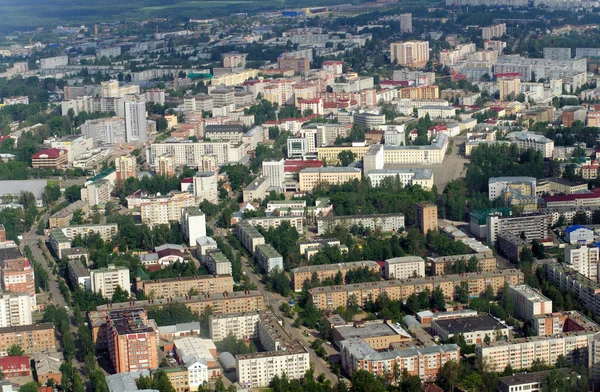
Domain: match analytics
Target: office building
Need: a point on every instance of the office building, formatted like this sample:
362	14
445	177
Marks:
426	217
193	224
505	186
529	302
182	286
106	280
33	339
584	260
328	271
404	267
412	54
273	170
407	177
309	178
475	329
383	222
206	186
135	121
132	340
268	259
442	265
126	167
75	145
329	298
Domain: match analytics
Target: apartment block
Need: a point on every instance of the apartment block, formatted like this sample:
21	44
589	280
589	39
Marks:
309	178
61	237
164	165
427	217
413	54
240	325
584	260
79	275
535	226
549	324
206	186
273	170
161	210
486	262
529	302
268	259
383	222
408	177
527	140
182	286
494	31
424	362
33	339
256	190
106	280
328	271
276	221
249	236
585	289
217	263
15	309
329	298
193	154
193	224
18	277
132	340
97	192
104	131
126	167
404	267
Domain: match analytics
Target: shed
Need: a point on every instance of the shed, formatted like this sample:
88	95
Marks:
227	360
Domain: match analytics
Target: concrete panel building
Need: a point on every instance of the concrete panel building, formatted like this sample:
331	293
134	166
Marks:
268	259
106	280
529	302
384	222
404	267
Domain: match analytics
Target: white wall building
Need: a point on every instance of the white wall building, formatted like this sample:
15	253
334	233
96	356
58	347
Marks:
583	260
135	121
404	267
193	224
15	309
206	187
106	280
273	171
529	302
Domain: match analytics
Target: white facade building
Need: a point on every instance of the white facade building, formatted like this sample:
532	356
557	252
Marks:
135	121
583	260
106	280
206	187
193	224
15	309
404	267
273	171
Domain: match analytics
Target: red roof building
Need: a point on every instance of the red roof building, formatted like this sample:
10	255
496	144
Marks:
574	200
15	366
51	158
295	165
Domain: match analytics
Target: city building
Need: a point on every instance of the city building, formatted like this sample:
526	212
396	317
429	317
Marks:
161	210
16	308
328	271
412	54
206	186
531	382
217	263
494	31
475	329
203	246
500	186
534	226
136	125
379	334
549	324
442	265
193	224
96	193
33	339
164	165
105	131
15	366
75	145
60	238
404	267
584	260
406	23
268	259
579	235
126	167
78	274
529	302
132	340
426	217
509	86
198	357
273	170
194	154
511	245
527	140
407	177
249	236
382	222
309	178
330	298
106	280
51	158
567	279
182	286
18	277
47	367
257	189
275	221
241	325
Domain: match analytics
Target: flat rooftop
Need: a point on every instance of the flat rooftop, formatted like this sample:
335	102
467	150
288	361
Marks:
249	229
334	267
531	294
469	324
268	251
405	259
369	329
356	217
530	378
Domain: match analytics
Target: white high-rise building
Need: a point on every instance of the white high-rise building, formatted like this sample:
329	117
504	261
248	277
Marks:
106	280
206	187
15	309
583	260
273	170
135	121
406	23
193	224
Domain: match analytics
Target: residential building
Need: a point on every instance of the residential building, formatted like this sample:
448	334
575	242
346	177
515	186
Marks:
406	23
584	260
509	86
531	382
328	271
230	132
15	366
164	165
426	217
182	286
51	158
511	245
413	54
529	302
16	308
106	280
379	334
156	96
132	340
79	275
240	325
193	224
273	170
257	189
233	60
424	362
47	367
494	31
383	222
105	131
329	298
300	64
570	114
18	277
61	238
442	265
193	154
126	167
275	221
160	210
203	246
96	193
556	323
248	236
404	267
217	263
33	339
534	226
135	121
475	329
309	178
567	279
527	140
206	186
268	259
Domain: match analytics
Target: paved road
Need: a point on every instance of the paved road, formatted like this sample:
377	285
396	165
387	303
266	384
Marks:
273	301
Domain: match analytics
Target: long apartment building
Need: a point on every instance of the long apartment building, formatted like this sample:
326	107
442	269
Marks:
267	222
584	260
585	289
161	210
404	267
192	154
486	262
535	226
283	355
63	217
60	238
529	302
331	297
527	140
424	362
383	222
311	177
33	339
132	340
326	271
182	286
249	236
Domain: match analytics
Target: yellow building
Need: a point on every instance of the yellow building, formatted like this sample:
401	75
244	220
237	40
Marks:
420	92
330	154
234	79
509	88
311	177
413	54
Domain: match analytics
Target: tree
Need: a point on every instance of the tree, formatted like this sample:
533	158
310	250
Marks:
73	193
29	387
346	157
363	381
15	351
98	381
77	217
120	295
472	382
462	292
449	375
437	300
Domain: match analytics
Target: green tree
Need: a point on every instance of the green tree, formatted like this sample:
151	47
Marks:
15	351
346	157
449	375
29	387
